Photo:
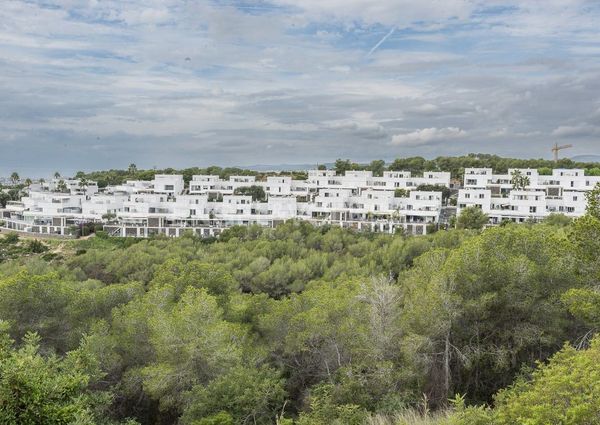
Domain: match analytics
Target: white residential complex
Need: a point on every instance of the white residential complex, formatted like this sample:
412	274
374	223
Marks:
209	204
562	192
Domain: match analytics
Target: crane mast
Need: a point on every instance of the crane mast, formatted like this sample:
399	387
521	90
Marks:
557	148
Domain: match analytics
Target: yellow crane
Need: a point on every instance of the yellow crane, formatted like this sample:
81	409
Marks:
557	148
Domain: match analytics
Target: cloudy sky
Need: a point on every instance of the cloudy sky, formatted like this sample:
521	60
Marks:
94	84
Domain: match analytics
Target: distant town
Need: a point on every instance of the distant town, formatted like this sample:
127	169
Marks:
377	200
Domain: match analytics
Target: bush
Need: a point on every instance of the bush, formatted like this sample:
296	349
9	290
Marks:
10	238
36	246
472	218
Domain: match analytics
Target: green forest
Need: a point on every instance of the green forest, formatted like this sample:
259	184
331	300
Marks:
417	165
305	325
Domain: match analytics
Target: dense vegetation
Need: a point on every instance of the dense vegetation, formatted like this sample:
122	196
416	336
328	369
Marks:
418	165
456	164
305	325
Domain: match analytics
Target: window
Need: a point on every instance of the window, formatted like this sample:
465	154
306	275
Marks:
169	187
481	195
532	209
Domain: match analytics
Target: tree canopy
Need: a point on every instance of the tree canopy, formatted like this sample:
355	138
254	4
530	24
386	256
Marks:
304	325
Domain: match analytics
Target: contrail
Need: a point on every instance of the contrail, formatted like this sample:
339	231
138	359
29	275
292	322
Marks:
375	47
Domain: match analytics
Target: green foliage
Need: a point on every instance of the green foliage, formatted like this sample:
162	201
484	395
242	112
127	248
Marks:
593	202
246	394
519	181
471	218
313	325
585	237
584	303
221	418
401	193
59	311
457	164
469	415
490	306
257	192
416	165
4	198
343	165
47	390
193	345
36	246
61	186
556	219
377	167
436	188
324	410
10	238
566	391
592	171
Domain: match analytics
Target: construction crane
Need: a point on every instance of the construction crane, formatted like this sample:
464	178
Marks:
557	148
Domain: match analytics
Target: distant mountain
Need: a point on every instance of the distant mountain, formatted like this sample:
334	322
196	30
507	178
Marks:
586	158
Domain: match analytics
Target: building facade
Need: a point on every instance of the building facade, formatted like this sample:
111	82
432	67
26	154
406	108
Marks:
524	194
208	204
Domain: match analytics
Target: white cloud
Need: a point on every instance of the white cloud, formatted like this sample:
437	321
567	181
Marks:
427	136
390	12
572	131
295	77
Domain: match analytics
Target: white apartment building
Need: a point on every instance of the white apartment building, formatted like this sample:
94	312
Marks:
168	184
562	192
209	204
72	186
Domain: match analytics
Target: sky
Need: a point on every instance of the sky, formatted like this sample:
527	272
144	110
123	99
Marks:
98	84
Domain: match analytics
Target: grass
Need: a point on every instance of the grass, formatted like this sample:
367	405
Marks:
410	417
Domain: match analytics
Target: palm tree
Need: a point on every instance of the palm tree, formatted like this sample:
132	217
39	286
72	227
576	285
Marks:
132	169
62	186
83	183
14	177
28	181
56	175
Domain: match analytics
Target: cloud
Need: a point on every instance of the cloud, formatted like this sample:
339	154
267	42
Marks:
393	12
576	131
427	136
295	76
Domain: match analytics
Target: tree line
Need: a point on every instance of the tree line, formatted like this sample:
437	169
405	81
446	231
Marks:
417	165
